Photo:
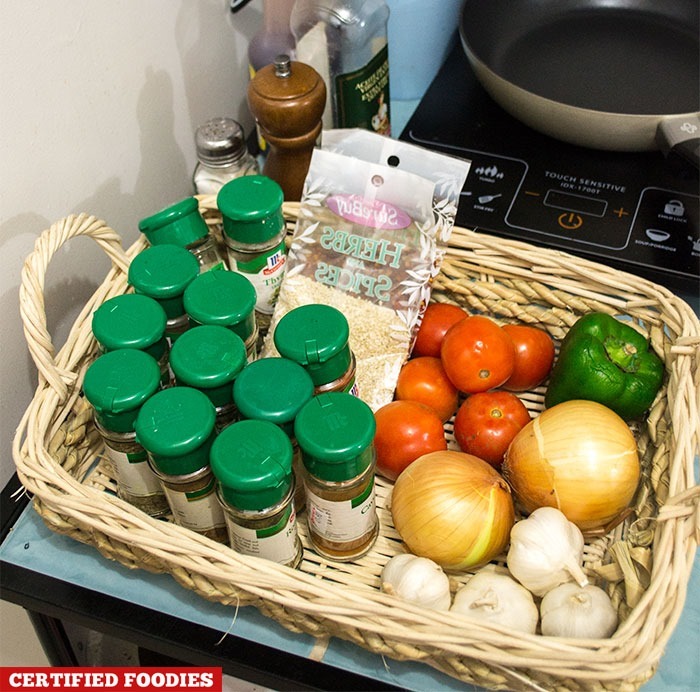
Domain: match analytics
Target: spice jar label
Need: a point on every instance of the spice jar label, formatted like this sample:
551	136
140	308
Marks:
265	271
342	521
198	510
277	543
133	474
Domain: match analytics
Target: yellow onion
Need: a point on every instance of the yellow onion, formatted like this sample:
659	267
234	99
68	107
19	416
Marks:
578	456
453	508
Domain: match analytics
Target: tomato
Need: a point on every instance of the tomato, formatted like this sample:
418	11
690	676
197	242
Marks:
477	354
405	431
487	422
534	355
424	380
437	319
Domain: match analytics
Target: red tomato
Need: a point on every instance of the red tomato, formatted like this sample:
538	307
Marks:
424	380
534	355
477	354
486	423
437	319
405	431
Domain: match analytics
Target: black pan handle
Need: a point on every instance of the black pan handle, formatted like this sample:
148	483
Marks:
680	136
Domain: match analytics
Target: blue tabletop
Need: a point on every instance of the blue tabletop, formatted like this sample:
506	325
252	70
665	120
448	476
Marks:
33	546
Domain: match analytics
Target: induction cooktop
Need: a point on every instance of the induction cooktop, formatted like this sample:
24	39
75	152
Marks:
638	212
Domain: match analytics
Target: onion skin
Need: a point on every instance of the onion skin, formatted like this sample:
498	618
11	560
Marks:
578	456
453	508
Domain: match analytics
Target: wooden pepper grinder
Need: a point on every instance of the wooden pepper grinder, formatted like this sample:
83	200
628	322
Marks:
287	99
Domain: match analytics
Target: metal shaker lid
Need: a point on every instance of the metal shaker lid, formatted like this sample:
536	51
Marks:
220	142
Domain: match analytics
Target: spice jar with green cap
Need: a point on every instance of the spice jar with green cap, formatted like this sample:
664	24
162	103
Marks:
252	462
163	272
182	224
275	390
254	233
117	384
133	321
176	427
225	299
209	358
335	431
317	337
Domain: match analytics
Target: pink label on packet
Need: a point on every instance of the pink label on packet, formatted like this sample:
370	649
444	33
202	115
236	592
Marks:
373	213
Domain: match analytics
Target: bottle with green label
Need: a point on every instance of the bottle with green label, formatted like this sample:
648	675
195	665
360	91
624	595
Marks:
345	41
254	233
117	384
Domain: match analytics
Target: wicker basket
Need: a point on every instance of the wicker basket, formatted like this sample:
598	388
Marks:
644	563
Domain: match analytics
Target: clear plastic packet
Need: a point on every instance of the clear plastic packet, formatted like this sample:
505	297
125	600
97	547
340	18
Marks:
374	221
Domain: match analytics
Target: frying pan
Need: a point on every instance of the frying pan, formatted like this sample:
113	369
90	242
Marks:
621	75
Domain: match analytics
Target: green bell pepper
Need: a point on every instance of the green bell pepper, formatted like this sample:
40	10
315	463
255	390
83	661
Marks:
602	359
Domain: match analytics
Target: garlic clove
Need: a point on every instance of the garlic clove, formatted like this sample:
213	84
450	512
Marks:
570	610
417	580
497	598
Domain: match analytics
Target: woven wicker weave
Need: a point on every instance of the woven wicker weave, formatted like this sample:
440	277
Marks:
644	563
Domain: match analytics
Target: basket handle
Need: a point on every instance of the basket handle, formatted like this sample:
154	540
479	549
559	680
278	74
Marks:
55	369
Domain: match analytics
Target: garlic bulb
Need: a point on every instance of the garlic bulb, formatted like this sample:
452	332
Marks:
417	580
497	598
571	610
546	550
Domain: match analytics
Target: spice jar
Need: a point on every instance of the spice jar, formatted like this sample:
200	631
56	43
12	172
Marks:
252	462
117	384
254	233
209	358
163	272
181	224
133	321
317	337
176	427
222	155
225	299
335	432
275	390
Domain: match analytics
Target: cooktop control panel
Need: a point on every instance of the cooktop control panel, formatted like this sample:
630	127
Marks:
636	211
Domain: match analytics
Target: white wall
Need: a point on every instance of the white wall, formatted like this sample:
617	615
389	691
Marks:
99	100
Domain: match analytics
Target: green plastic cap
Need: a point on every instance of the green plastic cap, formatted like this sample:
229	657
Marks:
180	224
163	272
209	358
335	431
117	384
252	460
176	427
315	336
222	298
251	208
273	389
131	321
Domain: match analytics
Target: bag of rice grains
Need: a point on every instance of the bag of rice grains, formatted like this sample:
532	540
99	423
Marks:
373	225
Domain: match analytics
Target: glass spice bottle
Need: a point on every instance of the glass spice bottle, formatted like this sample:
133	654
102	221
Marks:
254	233
336	434
176	427
222	155
252	462
225	299
318	338
133	321
163	272
117	384
182	224
209	358
275	390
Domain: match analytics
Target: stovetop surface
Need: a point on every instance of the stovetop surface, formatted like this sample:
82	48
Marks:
638	212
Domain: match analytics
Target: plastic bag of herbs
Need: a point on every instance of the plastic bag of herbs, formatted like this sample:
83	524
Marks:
373	225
